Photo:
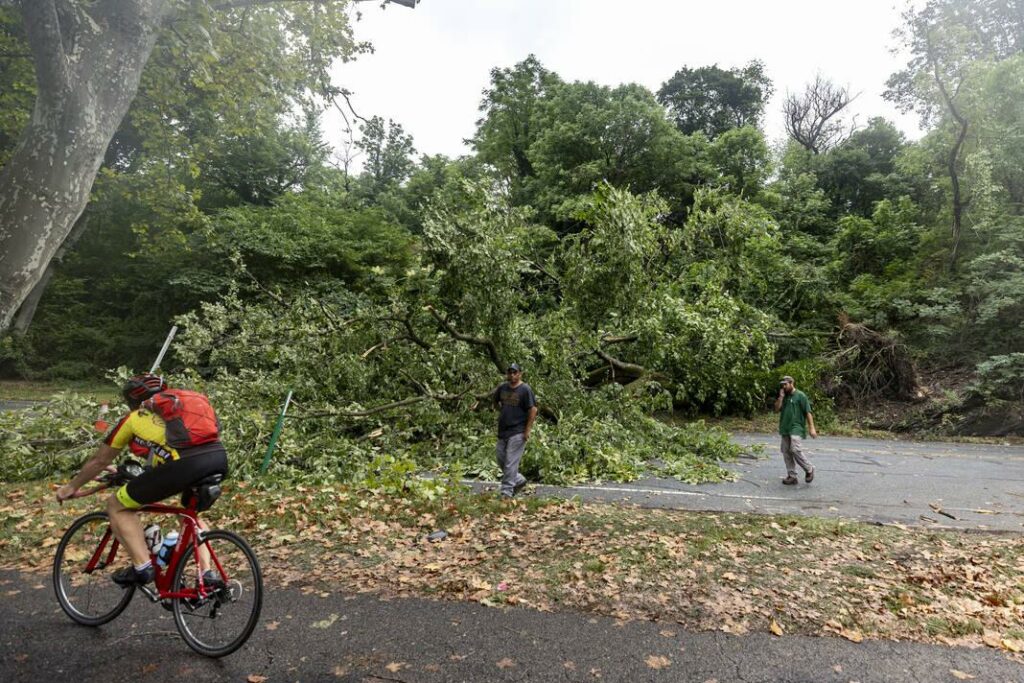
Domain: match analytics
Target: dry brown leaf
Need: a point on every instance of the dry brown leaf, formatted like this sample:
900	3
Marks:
961	675
1012	644
667	633
658	662
992	639
150	668
340	671
256	678
395	667
506	663
569	665
272	626
853	635
775	627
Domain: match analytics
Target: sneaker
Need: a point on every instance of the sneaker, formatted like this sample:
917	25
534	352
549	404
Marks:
518	487
129	576
789	481
809	477
212	581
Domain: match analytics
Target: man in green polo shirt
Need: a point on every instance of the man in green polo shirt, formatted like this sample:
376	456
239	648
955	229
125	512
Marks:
795	422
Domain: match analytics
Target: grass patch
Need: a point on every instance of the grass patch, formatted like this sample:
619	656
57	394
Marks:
953	628
858	570
24	390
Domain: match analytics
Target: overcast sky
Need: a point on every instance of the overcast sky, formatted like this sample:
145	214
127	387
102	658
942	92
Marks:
431	63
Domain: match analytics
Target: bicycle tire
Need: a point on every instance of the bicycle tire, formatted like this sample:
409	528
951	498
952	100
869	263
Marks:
234	609
90	599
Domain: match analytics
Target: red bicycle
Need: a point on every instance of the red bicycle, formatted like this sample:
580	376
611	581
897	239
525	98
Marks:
215	613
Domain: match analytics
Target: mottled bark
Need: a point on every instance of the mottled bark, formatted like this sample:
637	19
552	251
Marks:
88	59
27	312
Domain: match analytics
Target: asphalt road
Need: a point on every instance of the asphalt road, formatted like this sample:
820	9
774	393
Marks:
912	483
339	637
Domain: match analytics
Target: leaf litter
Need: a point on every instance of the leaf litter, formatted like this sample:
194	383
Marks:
711	571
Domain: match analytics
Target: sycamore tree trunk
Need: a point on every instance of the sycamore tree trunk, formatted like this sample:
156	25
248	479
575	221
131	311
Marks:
89	58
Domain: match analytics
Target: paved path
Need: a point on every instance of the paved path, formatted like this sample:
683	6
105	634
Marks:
866	479
358	637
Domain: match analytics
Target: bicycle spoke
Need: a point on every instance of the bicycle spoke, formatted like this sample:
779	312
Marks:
89	597
219	623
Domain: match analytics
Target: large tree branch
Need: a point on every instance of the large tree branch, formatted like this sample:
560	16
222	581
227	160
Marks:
631	369
42	27
412	400
411	333
487	344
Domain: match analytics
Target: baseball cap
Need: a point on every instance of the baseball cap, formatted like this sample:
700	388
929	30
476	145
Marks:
514	367
786	379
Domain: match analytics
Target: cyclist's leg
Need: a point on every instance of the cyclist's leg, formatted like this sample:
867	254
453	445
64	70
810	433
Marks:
213	461
128	528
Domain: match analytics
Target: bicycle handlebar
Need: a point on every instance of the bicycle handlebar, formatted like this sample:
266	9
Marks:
111	477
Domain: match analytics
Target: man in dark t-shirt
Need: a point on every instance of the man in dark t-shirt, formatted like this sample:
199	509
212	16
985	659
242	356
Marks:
518	407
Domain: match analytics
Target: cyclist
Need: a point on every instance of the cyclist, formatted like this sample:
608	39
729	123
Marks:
172	472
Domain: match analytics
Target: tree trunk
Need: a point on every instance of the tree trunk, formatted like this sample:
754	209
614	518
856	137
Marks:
88	59
953	160
28	307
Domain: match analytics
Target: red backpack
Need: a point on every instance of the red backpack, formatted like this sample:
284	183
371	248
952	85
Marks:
188	416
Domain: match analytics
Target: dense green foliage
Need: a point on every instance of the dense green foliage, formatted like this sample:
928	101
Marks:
636	252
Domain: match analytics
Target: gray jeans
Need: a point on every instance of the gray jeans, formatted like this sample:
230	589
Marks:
793	452
510	452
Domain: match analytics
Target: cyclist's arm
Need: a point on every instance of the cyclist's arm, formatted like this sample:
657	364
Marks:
103	456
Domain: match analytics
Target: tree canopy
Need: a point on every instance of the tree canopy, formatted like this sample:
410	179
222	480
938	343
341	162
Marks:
648	258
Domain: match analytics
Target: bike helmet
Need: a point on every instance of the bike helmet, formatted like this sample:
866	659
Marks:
140	387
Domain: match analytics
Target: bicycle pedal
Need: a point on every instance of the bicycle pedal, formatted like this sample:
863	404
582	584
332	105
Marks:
152	594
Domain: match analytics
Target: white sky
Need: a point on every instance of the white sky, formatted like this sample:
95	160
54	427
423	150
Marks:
431	63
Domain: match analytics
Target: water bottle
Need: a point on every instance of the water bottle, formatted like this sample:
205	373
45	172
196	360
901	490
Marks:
153	538
167	548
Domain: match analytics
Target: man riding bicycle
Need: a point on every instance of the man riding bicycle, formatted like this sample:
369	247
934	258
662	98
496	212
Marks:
173	472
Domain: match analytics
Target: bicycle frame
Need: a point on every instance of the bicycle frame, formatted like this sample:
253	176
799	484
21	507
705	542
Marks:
191	534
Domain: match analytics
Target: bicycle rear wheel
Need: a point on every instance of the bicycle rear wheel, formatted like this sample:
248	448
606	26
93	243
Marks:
220	623
89	596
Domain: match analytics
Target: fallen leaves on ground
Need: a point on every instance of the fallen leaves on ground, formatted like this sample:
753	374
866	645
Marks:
712	571
658	661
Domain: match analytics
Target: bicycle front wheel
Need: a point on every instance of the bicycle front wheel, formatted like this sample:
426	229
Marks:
86	559
220	623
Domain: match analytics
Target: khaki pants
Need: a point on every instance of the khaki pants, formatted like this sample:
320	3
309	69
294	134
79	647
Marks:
793	452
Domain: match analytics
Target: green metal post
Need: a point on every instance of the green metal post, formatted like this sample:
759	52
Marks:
276	434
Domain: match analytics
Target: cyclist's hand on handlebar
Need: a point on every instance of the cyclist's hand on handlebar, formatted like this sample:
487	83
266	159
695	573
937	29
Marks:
64	492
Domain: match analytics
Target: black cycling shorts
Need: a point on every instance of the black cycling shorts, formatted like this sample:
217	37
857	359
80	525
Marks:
173	477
